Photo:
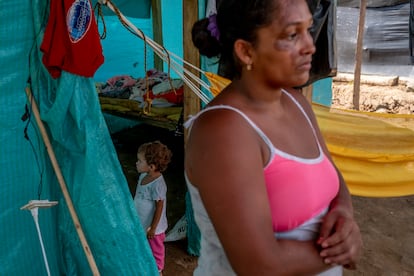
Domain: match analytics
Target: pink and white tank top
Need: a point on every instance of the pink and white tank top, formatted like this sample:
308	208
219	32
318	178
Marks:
298	188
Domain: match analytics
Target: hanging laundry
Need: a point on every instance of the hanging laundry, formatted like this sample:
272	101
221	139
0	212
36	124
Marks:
211	8
71	40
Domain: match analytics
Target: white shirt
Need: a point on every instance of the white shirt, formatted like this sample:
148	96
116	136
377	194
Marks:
144	199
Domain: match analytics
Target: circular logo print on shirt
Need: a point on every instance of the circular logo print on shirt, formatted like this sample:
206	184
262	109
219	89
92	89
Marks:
78	19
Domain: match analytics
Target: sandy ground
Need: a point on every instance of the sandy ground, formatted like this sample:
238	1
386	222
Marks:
387	224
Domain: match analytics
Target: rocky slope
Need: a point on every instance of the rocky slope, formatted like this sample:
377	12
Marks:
377	94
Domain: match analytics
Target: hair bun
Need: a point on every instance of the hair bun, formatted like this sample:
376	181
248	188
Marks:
204	35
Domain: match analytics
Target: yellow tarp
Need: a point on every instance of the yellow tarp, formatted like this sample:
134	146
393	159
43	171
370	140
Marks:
375	152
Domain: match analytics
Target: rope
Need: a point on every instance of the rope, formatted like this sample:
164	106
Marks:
100	16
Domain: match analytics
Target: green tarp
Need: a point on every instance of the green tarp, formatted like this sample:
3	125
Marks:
70	109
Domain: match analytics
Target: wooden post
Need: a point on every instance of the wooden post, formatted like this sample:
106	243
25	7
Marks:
358	53
191	54
62	183
157	31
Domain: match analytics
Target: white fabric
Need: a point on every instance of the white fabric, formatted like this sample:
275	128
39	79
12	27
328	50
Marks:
165	86
211	8
212	260
144	199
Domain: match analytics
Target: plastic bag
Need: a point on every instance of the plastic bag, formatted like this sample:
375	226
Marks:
178	232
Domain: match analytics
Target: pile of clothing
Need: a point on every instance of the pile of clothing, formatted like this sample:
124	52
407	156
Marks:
156	86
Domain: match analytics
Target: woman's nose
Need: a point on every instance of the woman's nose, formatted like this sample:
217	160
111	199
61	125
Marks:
309	47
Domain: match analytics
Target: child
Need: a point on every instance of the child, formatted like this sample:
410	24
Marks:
150	196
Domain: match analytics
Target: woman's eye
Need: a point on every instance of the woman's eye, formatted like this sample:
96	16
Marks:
311	29
292	36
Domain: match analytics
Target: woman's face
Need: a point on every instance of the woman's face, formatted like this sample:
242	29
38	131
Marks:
283	51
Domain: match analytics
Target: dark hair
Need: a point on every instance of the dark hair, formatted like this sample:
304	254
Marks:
236	19
207	45
157	154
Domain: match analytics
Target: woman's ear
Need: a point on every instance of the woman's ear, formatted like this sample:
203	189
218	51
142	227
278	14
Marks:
243	51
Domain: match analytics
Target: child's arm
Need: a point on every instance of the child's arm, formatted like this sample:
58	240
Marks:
159	204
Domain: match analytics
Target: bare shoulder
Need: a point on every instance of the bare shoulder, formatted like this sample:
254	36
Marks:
221	123
219	134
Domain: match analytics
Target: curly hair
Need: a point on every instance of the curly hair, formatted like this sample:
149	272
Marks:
157	154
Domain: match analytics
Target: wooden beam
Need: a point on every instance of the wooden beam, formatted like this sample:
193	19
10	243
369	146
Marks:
157	31
64	189
191	54
358	53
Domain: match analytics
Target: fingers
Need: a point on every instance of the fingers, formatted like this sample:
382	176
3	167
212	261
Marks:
347	258
344	249
330	223
343	228
327	228
340	239
339	254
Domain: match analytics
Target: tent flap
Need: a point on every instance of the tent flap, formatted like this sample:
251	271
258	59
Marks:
70	110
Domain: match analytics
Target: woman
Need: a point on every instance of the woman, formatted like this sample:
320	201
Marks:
266	195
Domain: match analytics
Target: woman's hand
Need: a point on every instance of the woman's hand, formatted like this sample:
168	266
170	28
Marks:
340	238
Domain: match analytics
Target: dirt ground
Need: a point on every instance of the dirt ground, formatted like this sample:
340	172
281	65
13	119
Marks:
387	224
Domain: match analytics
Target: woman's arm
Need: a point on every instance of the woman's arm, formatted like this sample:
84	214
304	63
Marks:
225	163
340	237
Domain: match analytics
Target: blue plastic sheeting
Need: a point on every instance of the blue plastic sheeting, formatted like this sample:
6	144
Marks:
387	28
322	92
71	112
124	51
193	232
134	9
371	3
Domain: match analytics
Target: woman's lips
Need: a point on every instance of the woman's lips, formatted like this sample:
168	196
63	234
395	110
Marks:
306	66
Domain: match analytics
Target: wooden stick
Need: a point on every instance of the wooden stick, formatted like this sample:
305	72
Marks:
191	101
358	53
157	31
62	183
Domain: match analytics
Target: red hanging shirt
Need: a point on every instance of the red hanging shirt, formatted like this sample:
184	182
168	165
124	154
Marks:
71	40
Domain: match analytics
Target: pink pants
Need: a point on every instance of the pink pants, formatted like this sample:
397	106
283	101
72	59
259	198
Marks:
158	250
